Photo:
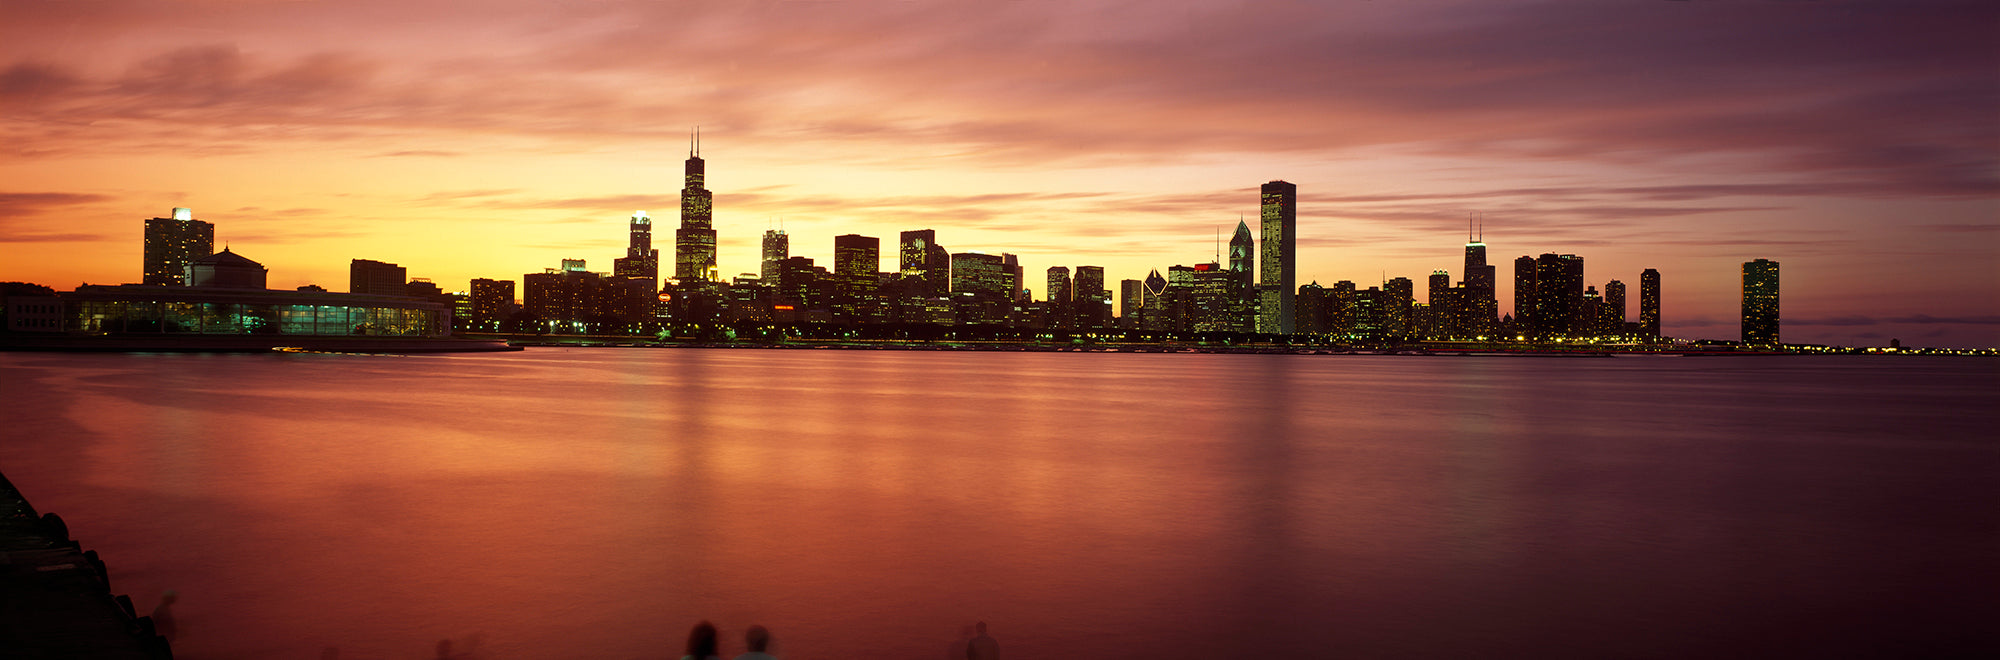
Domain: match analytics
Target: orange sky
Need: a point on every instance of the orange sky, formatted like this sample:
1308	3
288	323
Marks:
1854	142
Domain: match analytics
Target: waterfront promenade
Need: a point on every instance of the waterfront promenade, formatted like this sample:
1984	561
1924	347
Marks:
55	598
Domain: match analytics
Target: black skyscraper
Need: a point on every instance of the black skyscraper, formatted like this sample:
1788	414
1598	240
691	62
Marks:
1649	303
1760	302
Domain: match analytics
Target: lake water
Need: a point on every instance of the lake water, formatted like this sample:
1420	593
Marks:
594	503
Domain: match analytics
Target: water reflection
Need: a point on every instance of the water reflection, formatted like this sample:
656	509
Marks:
868	504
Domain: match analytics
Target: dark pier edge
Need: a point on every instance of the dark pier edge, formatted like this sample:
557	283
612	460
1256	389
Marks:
55	597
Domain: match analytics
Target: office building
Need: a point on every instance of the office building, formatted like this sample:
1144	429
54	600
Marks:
983	275
927	262
1760	302
172	243
1092	300
1061	298
777	247
694	242
1649	303
1480	308
1242	249
857	256
1277	287
640	259
377	278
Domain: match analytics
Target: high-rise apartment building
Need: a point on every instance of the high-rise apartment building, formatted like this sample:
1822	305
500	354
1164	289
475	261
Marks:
640	259
694	242
491	301
1614	308
377	277
1760	302
1558	310
777	247
1649	303
1394	305
172	243
1277	287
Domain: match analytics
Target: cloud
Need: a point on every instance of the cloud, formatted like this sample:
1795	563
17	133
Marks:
1916	319
52	238
1874	100
26	204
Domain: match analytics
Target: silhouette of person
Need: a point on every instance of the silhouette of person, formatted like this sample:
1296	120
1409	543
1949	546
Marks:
757	639
701	642
982	647
163	617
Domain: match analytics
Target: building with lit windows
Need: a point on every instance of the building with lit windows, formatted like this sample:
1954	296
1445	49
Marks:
1279	206
172	243
926	261
1760	302
492	302
1649	303
694	242
640	259
777	247
1091	300
229	298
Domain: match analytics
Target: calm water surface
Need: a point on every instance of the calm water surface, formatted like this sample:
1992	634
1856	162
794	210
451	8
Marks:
594	503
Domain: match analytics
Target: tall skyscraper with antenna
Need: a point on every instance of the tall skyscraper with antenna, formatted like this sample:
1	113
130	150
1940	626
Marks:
694	242
1482	308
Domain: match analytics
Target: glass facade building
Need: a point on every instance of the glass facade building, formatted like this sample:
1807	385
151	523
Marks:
141	309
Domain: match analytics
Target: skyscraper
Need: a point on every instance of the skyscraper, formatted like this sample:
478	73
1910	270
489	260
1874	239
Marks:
1558	296
1060	297
694	242
1760	302
174	242
1092	300
1481	308
1277	288
925	260
1242	249
777	247
1524	295
1649	303
855	255
640	259
1614	307
1397	299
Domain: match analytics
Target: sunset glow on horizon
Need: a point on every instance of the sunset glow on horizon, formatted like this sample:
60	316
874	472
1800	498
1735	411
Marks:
1855	143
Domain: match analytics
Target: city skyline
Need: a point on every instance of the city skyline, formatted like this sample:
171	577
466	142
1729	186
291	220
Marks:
1850	141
